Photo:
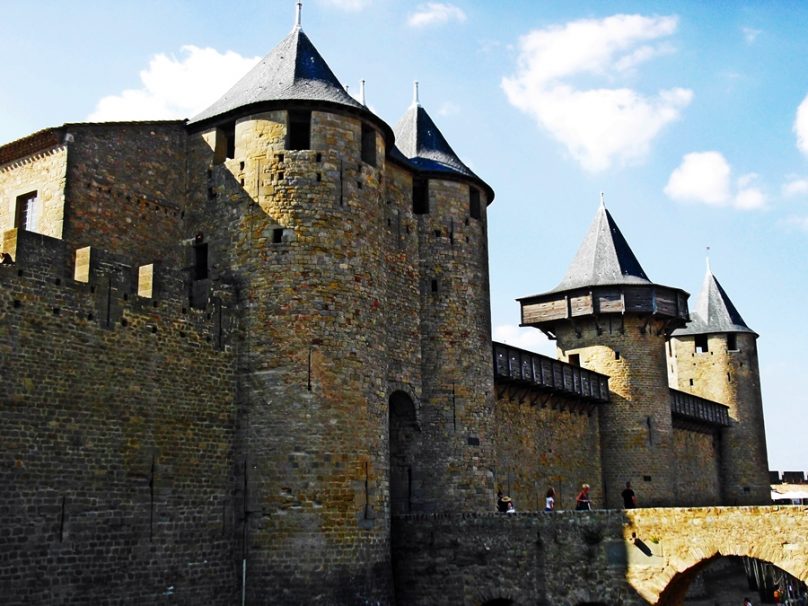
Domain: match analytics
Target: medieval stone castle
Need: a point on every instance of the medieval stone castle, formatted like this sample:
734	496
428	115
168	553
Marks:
235	349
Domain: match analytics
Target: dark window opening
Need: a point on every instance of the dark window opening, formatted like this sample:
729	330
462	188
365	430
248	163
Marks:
732	342
575	359
420	197
701	344
229	131
474	203
24	211
277	235
200	261
368	145
617	355
299	130
434	286
691	382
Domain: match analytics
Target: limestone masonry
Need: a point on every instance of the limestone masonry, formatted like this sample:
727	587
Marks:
248	356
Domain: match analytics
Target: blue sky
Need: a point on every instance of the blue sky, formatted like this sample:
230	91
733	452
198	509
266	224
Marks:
687	115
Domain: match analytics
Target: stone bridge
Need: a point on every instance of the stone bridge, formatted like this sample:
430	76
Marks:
644	556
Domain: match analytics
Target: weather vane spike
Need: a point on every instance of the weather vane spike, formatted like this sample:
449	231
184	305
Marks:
708	260
362	93
415	100
602	200
298	14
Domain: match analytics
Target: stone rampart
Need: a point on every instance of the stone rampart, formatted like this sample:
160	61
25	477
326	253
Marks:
117	418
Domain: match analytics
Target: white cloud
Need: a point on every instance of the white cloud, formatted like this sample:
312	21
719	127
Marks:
531	339
348	5
706	177
795	186
801	126
800	223
435	13
598	126
176	88
750	34
701	177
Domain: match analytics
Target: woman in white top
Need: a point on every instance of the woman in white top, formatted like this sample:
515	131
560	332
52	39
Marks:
549	500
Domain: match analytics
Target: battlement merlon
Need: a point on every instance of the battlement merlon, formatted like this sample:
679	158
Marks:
53	260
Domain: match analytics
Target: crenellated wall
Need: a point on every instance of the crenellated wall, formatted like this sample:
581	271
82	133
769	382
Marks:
118	421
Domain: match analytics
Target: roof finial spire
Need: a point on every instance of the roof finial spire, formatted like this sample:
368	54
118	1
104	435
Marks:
362	93
709	269
602	200
298	14
415	100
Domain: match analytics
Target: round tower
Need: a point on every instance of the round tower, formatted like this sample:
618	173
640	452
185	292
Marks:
456	442
288	174
715	357
607	316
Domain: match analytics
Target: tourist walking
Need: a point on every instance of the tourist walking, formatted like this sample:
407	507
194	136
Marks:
582	501
629	498
549	499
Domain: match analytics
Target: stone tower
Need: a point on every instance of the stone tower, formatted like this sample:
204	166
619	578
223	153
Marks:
607	316
715	357
286	171
456	418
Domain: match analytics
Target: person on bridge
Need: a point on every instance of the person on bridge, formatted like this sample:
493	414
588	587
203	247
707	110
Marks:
629	498
549	500
582	501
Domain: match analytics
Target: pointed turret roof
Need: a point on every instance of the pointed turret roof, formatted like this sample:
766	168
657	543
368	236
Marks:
714	312
292	71
604	258
421	142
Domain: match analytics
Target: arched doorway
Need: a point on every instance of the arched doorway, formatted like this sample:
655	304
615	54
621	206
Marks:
403	427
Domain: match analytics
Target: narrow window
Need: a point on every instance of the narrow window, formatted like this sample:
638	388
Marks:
299	130
617	355
701	344
732	341
575	359
368	145
474	203
277	235
420	197
434	286
200	260
229	131
25	211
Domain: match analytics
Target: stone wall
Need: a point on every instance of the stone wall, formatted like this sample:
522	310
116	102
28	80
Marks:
696	458
539	446
635	426
729	374
565	558
117	420
125	189
45	173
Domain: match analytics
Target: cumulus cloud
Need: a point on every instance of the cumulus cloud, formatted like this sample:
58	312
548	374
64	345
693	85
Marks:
348	5
176	87
598	125
706	178
795	186
531	339
801	126
435	13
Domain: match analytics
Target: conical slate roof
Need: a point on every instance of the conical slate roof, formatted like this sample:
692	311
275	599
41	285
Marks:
292	71
419	139
714	312
604	258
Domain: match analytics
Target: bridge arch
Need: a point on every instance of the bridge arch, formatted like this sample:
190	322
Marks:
667	547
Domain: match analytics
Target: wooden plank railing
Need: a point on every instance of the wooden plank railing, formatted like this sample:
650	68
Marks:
512	364
688	407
